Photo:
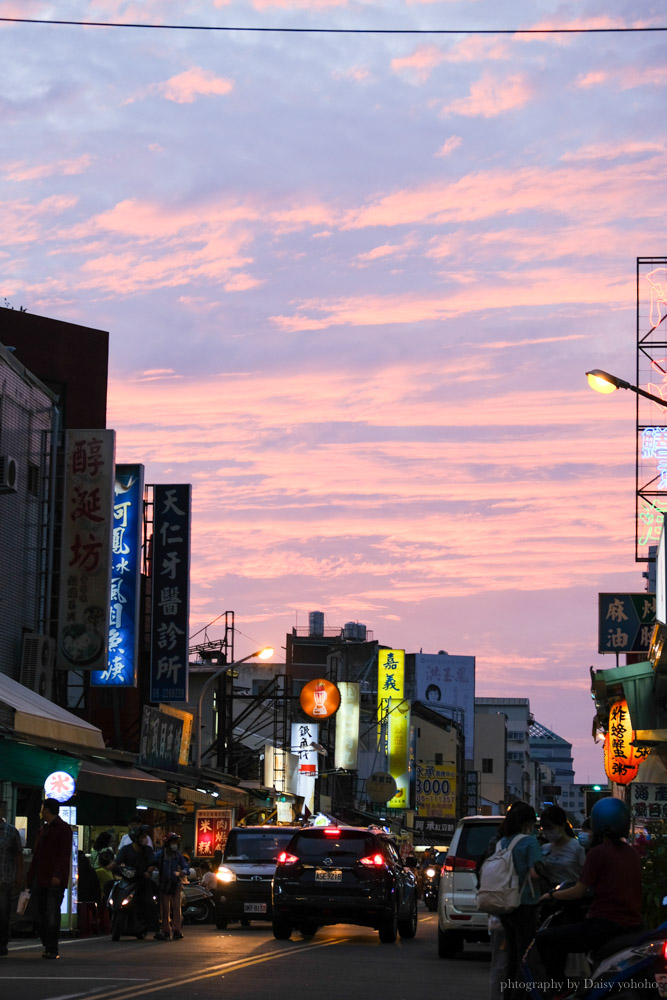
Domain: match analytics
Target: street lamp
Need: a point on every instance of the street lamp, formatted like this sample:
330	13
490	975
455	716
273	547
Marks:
260	654
604	382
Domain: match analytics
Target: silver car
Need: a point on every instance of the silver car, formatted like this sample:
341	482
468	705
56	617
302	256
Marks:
459	920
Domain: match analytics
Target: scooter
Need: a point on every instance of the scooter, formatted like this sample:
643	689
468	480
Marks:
123	904
197	903
627	967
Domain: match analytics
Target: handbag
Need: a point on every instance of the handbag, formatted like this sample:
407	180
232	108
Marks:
22	902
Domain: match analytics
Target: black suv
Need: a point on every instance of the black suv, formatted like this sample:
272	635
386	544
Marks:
344	875
244	877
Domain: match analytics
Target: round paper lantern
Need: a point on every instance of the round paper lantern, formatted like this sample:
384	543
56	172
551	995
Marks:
622	765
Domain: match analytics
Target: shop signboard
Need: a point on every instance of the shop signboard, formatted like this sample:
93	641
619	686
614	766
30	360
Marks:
472	793
320	699
83	624
212	828
171	590
347	726
398	751
436	789
648	800
625	622
447	682
187	719
160	739
434	825
121	670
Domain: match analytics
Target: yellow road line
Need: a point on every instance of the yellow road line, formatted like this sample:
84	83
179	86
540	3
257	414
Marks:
125	993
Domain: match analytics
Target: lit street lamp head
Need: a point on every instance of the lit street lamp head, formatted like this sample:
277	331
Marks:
604	382
264	654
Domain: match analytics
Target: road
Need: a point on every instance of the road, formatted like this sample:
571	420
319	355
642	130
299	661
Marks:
246	964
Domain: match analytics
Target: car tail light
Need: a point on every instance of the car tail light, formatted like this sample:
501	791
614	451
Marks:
459	865
330	831
287	859
373	861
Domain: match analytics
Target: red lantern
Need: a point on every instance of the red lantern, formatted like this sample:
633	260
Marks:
621	764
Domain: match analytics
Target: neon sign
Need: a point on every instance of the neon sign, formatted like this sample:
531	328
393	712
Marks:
124	605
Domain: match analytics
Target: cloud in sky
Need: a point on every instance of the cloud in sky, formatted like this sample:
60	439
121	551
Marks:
352	285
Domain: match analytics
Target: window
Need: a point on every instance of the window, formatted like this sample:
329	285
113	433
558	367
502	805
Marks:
516	736
438	758
487	765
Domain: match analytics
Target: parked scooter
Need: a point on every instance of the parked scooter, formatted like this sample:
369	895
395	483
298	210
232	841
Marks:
627	967
123	904
197	903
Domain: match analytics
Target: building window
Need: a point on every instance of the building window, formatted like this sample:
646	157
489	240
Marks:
487	765
33	479
516	736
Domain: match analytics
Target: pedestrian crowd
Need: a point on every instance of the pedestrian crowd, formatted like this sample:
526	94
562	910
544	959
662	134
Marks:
162	872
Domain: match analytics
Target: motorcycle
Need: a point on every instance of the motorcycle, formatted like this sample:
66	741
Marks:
123	904
197	903
430	887
627	967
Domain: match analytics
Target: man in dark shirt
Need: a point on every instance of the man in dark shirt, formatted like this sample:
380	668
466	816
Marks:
48	874
11	872
139	855
612	871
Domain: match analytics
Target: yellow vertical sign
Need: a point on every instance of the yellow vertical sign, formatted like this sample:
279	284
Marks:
395	712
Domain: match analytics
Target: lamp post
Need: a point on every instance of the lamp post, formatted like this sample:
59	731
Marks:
604	382
261	654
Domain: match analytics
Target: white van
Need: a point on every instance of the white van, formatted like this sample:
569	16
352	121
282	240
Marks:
459	920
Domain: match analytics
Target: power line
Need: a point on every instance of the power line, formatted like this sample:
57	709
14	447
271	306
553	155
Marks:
335	31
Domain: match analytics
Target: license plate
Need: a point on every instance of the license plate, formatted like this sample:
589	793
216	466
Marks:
321	875
661	983
254	907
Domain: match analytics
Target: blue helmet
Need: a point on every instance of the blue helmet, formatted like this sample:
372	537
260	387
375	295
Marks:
610	816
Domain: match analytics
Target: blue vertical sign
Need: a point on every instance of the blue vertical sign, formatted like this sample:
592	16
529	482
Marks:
171	593
125	576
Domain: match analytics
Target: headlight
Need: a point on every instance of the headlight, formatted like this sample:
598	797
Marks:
430	872
225	874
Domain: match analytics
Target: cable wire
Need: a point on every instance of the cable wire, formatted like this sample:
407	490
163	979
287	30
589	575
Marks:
335	31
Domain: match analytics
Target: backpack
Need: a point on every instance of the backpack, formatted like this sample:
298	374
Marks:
499	888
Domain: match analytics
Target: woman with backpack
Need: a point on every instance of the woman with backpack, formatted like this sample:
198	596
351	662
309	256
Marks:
521	923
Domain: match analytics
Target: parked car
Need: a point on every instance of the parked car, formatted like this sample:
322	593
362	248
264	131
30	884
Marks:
459	920
244	877
344	875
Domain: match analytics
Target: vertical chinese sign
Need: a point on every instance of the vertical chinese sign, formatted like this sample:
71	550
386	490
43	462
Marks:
171	593
211	831
393	707
304	734
347	726
121	668
83	625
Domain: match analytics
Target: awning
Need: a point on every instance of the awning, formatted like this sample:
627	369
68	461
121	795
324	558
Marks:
37	716
123	782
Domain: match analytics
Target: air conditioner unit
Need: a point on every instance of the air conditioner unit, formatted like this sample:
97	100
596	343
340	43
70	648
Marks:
8	474
37	663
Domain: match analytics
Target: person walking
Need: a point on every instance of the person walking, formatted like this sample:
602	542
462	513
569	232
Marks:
48	874
172	868
520	924
11	873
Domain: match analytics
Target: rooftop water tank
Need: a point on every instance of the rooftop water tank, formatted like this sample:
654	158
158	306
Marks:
316	623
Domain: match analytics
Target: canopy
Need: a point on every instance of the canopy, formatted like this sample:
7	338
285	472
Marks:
37	716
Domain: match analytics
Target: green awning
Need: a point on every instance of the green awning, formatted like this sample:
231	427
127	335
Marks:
636	683
27	765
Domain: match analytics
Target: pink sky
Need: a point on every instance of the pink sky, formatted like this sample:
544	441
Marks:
353	284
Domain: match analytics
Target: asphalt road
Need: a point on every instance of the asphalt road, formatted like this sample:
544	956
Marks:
339	963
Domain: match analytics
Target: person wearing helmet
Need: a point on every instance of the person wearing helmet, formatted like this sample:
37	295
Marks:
138	854
612	873
133	825
172	869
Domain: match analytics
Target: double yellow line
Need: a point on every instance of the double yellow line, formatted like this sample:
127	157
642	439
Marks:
128	992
